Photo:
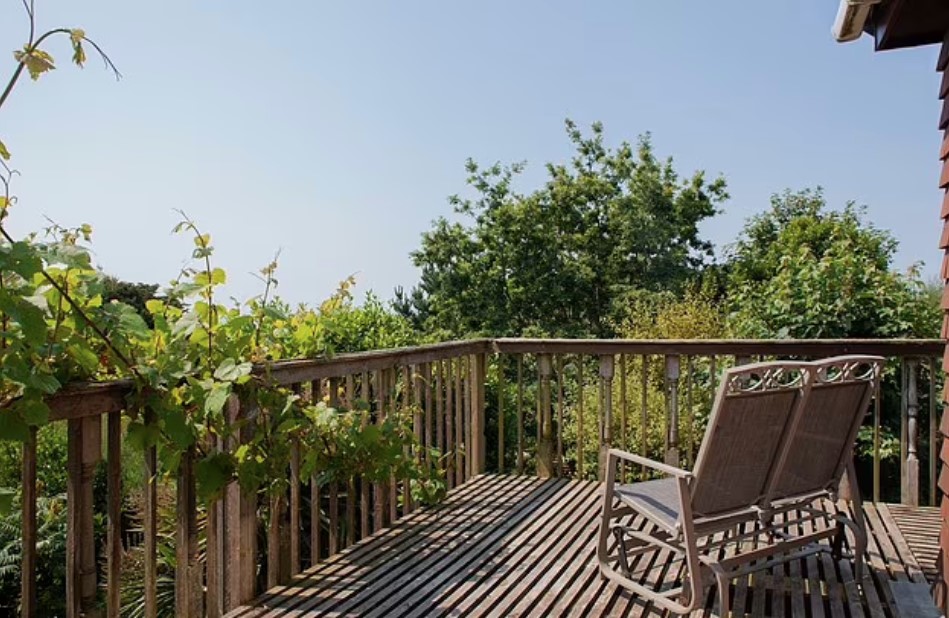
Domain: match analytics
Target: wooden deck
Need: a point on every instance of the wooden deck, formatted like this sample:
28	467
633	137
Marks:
520	546
920	527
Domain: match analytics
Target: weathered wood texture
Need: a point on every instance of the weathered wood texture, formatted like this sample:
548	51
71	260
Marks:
443	389
920	528
514	545
942	65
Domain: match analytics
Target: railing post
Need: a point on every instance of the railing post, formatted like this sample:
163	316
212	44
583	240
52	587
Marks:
672	410
910	477
150	524
240	525
476	365
188	599
28	540
84	451
214	551
500	368
278	571
606	408
114	514
545	446
519	459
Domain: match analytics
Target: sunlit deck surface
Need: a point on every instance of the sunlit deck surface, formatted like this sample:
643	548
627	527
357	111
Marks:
520	546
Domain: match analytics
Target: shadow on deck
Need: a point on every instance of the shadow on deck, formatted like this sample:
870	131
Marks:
509	546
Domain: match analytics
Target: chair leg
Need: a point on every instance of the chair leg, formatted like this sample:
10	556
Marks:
859	525
837	548
601	548
724	607
859	550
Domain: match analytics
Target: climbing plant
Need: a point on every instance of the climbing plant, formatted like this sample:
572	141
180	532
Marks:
195	357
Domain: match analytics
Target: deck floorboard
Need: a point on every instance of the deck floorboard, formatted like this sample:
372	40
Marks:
518	546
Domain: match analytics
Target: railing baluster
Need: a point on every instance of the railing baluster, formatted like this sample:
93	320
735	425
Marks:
379	490
294	508
28	538
150	525
333	486
450	455
275	574
672	409
349	536
114	508
413	402
580	434
391	386
910	493
933	433
876	442
644	412
440	410
560	407
426	384
690	409
350	393
466	415
545	443
316	516
500	386
364	498
459	419
904	408
538	411
520	414
713	377
606	412
623	404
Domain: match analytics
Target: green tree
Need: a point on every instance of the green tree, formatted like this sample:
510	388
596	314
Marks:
134	295
801	270
561	259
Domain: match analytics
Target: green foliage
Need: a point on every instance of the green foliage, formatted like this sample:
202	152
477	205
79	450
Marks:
135	295
51	473
51	558
694	315
50	299
559	260
344	444
802	271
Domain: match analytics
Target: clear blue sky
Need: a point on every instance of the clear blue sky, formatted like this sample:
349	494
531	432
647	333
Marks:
335	130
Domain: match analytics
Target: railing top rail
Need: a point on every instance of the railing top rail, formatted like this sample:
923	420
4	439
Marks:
88	399
80	400
791	347
296	371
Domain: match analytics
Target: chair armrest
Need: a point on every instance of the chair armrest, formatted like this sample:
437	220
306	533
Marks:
615	454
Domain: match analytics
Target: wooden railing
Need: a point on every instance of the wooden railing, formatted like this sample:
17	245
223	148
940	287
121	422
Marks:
650	397
553	406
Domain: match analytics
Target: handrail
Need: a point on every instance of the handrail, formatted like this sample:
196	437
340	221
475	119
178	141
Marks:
790	347
89	399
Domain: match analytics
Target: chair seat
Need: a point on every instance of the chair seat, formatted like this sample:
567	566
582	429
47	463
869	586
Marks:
658	500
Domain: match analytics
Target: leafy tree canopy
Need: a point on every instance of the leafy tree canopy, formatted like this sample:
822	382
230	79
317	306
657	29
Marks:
134	295
561	259
801	270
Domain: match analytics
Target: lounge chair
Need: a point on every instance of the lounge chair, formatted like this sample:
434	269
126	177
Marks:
779	438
